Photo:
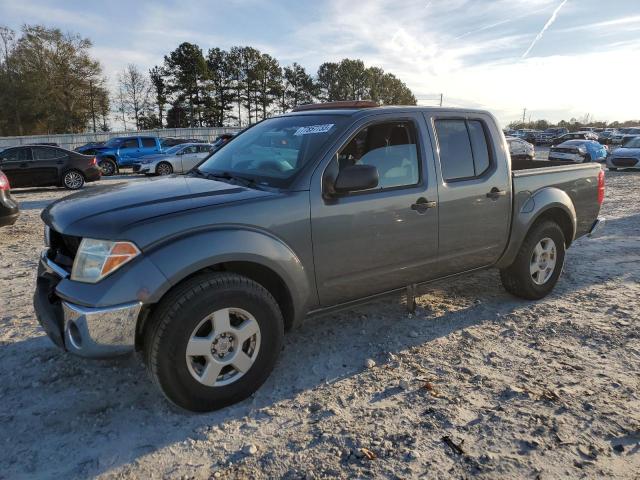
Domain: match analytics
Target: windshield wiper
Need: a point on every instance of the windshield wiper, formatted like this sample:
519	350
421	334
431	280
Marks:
229	177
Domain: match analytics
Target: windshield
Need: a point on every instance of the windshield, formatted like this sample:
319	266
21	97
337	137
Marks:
274	151
633	143
173	150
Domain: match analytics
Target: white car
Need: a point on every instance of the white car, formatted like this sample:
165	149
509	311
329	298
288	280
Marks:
178	159
519	149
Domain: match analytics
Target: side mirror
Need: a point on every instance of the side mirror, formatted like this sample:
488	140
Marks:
356	178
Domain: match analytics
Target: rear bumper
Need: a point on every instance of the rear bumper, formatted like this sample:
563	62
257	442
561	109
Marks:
9	210
92	174
597	227
94	332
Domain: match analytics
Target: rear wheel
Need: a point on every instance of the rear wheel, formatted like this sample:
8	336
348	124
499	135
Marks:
73	180
164	168
537	267
108	167
213	341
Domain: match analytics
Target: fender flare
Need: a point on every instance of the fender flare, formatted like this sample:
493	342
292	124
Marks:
544	201
180	257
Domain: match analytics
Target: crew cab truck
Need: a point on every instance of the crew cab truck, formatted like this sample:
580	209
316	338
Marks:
321	208
124	152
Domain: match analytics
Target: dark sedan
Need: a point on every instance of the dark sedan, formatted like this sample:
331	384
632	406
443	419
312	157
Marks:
8	206
43	166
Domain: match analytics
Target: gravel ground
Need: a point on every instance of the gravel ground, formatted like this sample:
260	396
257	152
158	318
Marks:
476	383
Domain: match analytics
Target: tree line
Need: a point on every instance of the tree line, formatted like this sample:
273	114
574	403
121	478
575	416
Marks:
241	86
49	83
573	125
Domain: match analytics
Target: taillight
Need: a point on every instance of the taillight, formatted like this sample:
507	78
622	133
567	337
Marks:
601	187
4	182
94	161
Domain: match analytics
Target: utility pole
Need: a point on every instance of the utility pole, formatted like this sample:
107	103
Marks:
441	99
524	113
93	110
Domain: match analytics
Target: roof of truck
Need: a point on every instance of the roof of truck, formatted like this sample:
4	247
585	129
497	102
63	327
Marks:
352	108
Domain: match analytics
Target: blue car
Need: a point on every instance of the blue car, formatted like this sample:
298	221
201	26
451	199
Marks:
124	152
579	151
627	156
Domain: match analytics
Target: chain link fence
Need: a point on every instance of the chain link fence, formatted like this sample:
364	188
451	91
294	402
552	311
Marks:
74	140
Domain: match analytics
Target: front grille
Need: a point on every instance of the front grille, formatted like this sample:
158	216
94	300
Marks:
624	162
136	167
63	248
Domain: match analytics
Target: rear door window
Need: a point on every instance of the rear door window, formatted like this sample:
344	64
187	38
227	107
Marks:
463	147
130	143
43	153
148	142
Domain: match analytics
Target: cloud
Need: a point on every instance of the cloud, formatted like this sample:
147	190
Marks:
552	19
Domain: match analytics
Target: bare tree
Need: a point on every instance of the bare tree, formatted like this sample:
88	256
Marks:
135	88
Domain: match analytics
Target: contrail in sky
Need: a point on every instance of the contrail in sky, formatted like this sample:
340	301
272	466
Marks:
552	19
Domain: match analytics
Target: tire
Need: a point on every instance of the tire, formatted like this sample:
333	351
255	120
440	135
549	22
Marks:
518	278
108	167
73	180
178	320
164	168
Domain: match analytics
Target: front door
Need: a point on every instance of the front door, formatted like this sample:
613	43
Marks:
129	151
474	191
384	238
189	157
15	164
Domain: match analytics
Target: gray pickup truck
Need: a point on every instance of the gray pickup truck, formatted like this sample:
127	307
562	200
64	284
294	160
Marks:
320	208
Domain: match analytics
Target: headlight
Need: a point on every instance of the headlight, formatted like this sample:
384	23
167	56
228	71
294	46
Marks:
98	258
47	236
582	150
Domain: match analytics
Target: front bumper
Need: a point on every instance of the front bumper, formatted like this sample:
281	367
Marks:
141	168
95	332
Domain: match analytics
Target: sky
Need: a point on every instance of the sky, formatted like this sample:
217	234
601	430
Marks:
557	58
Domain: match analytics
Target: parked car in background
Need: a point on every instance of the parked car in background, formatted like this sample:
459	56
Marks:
520	149
622	133
9	209
604	137
90	148
578	151
315	209
546	137
574	136
167	142
121	152
627	156
43	166
178	159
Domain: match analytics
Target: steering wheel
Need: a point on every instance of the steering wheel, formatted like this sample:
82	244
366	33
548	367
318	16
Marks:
273	166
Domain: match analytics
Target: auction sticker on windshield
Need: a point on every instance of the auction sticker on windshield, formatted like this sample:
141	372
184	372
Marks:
312	129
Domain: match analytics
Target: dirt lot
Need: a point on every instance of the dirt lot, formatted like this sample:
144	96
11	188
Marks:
475	383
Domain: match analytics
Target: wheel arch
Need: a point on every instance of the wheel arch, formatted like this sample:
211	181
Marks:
547	204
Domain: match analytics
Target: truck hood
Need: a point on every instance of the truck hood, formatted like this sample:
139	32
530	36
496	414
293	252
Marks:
106	212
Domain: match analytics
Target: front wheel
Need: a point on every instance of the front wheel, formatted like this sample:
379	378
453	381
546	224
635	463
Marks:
538	264
213	341
164	168
73	180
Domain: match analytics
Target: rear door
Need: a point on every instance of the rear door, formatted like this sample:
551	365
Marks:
149	146
47	164
384	238
474	190
15	164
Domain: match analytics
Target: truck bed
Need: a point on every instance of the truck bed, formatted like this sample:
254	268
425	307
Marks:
578	180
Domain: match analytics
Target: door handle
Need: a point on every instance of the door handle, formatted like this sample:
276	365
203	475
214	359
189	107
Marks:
422	205
60	162
496	193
